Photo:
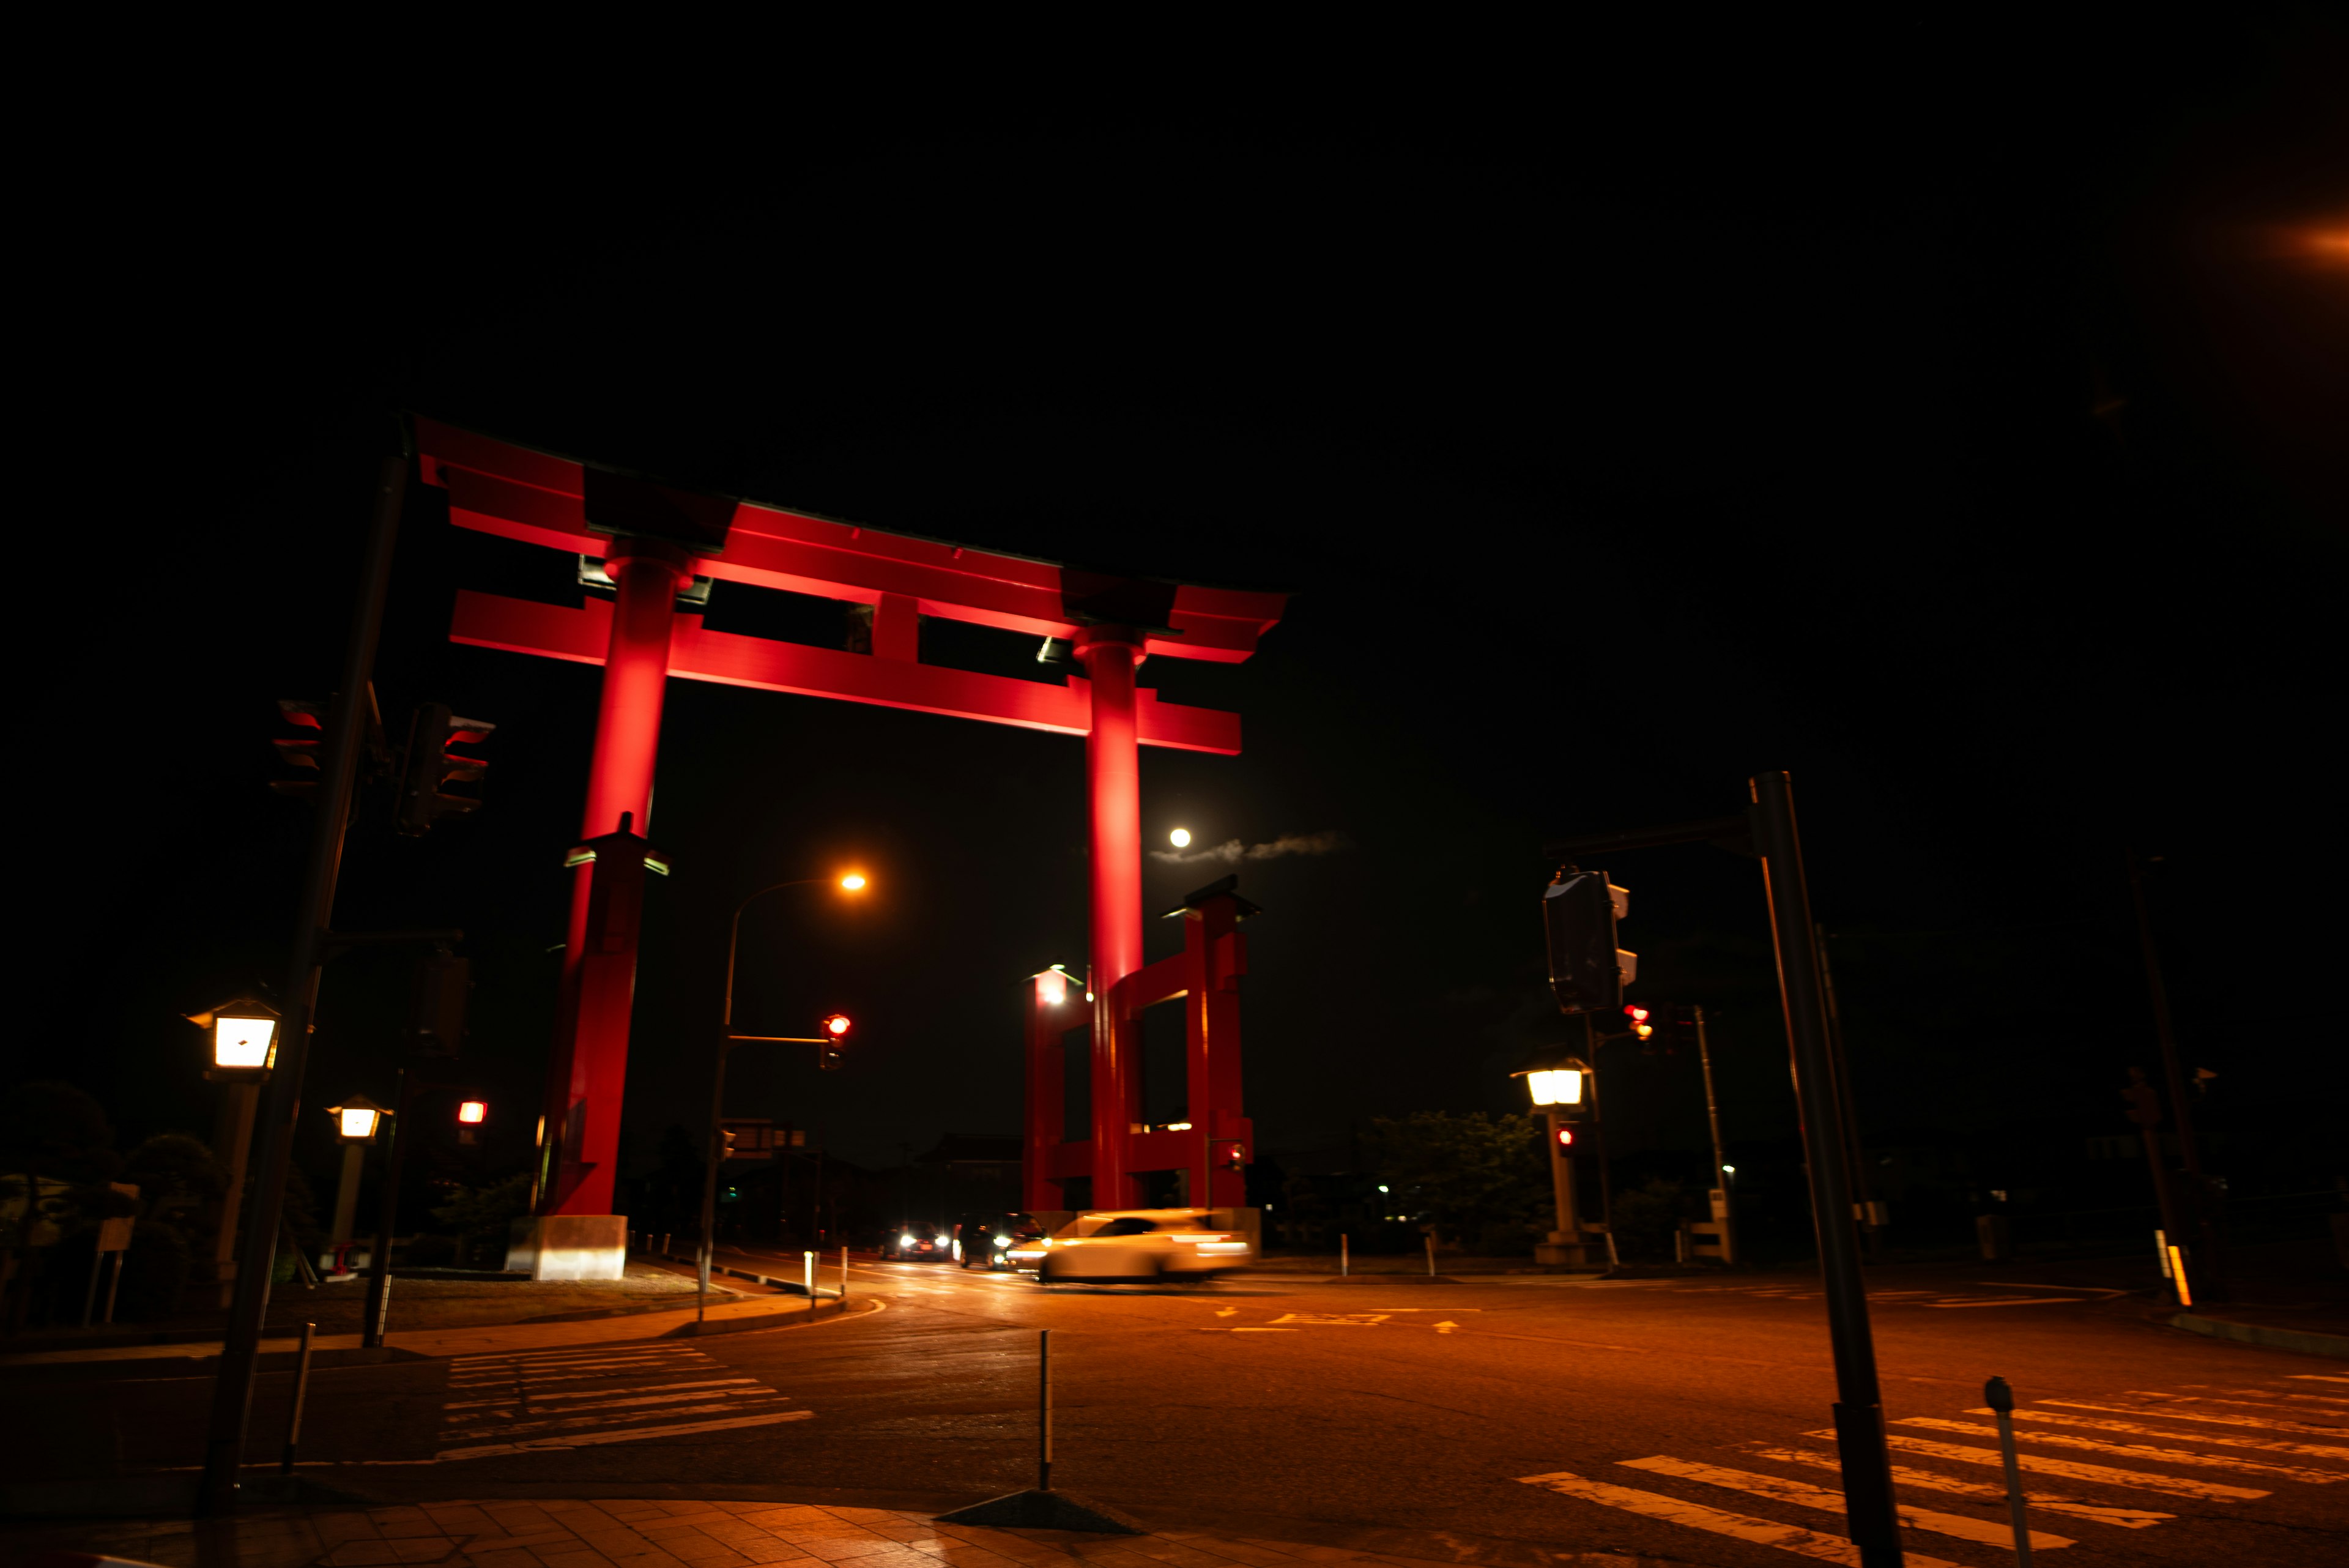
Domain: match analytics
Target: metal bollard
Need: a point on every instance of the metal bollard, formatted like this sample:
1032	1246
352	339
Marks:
1431	1254
2000	1399
844	1278
1345	1260
1043	1409
301	1395
807	1279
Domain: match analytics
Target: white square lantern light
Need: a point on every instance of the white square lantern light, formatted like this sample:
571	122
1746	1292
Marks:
357	1118
1565	1085
243	1038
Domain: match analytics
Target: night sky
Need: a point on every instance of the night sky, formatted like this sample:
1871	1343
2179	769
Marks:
1950	418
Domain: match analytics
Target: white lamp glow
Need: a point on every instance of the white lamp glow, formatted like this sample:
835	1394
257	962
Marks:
1179	838
1558	1086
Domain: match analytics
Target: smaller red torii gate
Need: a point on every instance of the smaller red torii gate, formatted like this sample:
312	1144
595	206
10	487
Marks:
654	540
1216	1145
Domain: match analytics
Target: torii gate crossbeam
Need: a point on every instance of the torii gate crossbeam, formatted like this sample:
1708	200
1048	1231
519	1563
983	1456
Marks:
653	541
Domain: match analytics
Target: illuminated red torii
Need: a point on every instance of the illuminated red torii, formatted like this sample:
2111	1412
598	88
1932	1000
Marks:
654	540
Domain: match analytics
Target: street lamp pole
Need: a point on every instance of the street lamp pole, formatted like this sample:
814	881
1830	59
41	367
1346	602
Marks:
726	1043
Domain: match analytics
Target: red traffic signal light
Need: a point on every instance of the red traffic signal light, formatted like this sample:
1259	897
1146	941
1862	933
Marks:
837	1025
1565	1137
1640	1028
429	764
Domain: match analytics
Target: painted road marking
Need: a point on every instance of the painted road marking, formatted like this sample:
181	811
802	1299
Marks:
637	1434
1981	1491
584	1394
2216	1418
1802	1494
2265	1397
2026	1285
1335	1319
2315	1377
1792	1538
2070	1469
2007	1300
2313	1450
609	1398
1263	1331
2133	1451
1445	1327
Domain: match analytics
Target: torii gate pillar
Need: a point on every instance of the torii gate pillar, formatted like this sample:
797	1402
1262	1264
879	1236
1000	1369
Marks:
588	1068
1113	792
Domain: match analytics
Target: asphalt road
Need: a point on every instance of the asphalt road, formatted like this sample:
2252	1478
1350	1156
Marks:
1682	1420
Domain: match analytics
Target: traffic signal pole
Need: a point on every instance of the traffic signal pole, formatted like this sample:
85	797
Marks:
1858	1412
281	1112
1727	1217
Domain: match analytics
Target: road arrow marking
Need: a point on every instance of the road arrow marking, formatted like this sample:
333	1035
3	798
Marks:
1445	1327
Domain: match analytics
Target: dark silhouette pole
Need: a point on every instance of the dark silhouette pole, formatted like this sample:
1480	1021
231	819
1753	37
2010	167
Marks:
231	1409
1859	1410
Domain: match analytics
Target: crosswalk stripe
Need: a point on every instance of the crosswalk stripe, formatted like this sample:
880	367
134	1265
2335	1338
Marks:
2267	1396
2215	1417
537	1381
567	1363
1720	1522
755	1391
1981	1491
2315	1377
2135	1450
534	1396
581	1358
1802	1494
632	1434
2071	1470
607	1422
2313	1450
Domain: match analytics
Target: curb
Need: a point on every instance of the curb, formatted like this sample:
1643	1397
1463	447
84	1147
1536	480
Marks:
2307	1343
866	1307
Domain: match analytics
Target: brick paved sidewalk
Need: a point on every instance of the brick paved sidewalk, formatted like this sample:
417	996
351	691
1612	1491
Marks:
668	1534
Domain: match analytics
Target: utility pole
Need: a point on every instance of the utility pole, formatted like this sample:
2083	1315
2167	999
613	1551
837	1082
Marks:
1722	1207
1859	1410
233	1384
1864	1210
2201	1195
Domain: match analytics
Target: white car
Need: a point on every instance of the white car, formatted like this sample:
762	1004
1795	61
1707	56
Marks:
1135	1244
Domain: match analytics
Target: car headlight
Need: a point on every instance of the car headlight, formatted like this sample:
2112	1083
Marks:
1003	1241
904	1240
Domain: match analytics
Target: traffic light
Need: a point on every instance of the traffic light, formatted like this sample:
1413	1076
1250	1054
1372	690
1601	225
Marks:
832	1053
1640	1028
442	981
1565	1137
429	763
303	751
1587	972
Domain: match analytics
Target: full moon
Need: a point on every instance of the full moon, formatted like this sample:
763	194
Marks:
1179	838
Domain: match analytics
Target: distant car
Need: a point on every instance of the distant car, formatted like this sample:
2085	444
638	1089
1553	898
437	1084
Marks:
1135	1244
915	1240
985	1240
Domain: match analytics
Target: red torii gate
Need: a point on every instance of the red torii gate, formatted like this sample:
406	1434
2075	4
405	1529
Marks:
654	540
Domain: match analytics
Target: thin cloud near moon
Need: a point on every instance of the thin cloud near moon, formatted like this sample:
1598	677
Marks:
1232	851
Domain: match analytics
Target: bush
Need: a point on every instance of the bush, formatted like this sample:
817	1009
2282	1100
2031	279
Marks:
483	1219
431	1252
154	1273
1647	1217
